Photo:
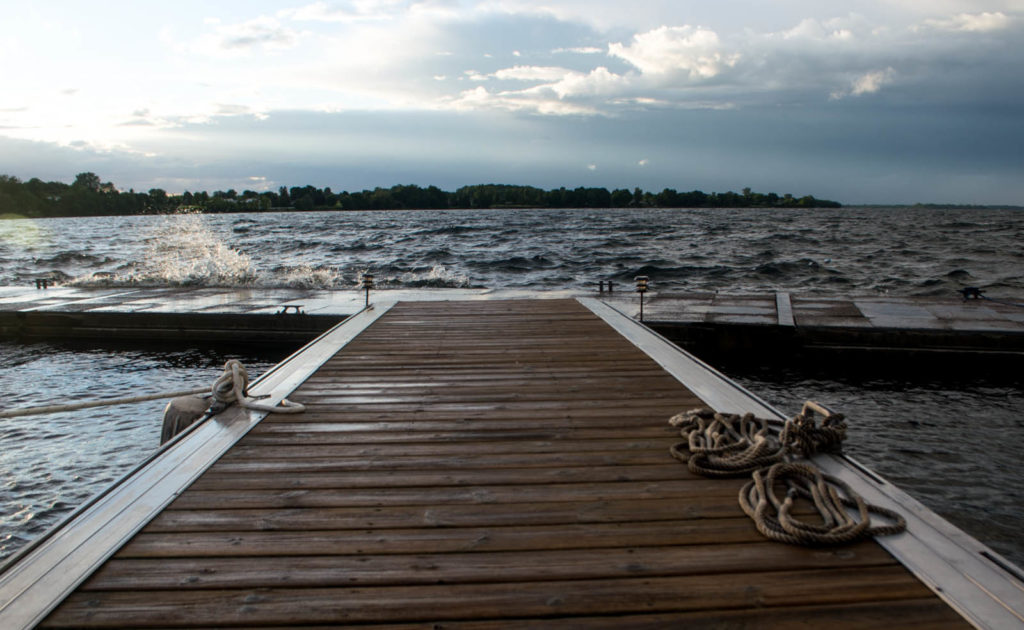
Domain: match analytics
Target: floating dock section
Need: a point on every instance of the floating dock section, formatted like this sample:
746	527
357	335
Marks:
477	465
867	329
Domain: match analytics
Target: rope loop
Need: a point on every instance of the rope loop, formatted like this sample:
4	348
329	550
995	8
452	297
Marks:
831	498
232	386
731	445
723	444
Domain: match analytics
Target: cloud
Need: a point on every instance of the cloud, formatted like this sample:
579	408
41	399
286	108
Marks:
833	30
579	50
560	91
598	82
228	109
693	50
532	73
531	100
868	83
872	81
263	32
358	11
972	23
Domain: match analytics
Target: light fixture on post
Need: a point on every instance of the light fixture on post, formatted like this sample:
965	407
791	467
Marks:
641	288
367	285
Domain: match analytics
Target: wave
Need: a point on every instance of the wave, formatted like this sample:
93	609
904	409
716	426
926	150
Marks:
74	258
780	268
448	230
521	263
874	252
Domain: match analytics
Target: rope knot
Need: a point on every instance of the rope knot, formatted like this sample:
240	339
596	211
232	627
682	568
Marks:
232	386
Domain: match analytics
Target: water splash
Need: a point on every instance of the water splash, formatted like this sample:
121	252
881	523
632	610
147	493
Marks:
184	250
181	250
308	277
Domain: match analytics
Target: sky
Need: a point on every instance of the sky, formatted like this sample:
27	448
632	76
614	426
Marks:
901	101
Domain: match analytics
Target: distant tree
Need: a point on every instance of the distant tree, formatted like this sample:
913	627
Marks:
621	198
668	198
305	202
87	181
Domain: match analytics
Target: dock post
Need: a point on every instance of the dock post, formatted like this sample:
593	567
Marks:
367	285
641	288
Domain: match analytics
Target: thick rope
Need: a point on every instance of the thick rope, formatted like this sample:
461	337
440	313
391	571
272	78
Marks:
724	445
830	495
730	445
231	386
34	411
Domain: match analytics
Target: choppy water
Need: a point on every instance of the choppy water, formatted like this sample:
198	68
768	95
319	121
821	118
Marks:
951	443
843	251
50	464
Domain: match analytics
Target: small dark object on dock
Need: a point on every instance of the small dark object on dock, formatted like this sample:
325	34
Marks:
285	309
972	293
42	283
181	413
600	286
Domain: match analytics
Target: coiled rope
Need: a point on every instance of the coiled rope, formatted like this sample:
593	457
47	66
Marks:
233	387
774	518
730	445
230	387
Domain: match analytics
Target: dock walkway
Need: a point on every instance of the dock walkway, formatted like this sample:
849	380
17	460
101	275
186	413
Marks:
468	465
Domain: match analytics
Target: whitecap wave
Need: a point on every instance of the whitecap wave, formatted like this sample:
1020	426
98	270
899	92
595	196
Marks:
182	250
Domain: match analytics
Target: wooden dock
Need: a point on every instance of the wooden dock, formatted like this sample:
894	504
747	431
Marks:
469	465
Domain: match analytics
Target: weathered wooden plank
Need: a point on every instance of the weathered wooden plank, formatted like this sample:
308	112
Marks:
436	476
655	412
455	515
443	450
480	495
466	435
166	544
336	423
295	465
716	562
920	614
468	601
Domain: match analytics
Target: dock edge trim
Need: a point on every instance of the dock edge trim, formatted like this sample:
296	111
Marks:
953	564
40	580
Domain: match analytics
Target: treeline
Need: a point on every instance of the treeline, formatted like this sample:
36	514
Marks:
88	195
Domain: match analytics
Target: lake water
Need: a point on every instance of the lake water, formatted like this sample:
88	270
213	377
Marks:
949	442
